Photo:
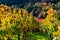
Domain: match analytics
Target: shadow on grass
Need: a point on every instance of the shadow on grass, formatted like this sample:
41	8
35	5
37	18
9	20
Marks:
32	36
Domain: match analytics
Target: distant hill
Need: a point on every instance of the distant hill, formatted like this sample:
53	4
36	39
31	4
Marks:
16	2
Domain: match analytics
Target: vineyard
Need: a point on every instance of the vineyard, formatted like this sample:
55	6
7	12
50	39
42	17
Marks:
19	24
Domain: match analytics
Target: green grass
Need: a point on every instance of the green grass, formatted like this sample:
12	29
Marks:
33	36
37	36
